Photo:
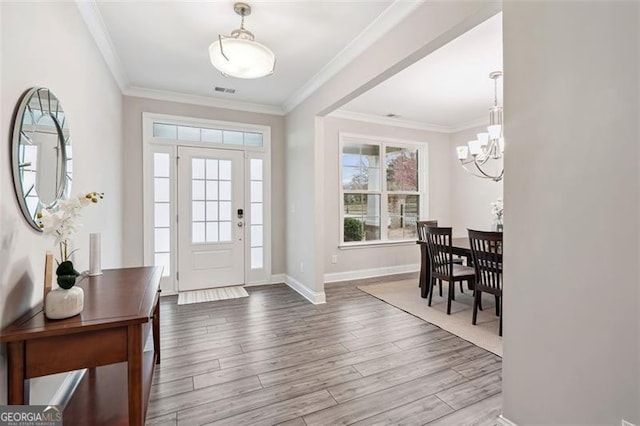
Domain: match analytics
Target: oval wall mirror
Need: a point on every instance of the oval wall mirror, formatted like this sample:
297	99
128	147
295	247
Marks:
41	148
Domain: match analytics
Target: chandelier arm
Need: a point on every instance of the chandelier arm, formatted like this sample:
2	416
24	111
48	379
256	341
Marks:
488	176
472	172
221	50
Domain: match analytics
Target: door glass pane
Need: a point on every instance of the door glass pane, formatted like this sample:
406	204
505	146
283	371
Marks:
212	232
225	210
197	168
403	215
232	138
361	167
211	135
402	169
225	190
197	211
225	231
256	235
212	210
197	232
165	131
256	192
161	164
162	240
253	139
161	214
212	169
197	189
188	133
164	260
257	258
361	217
212	190
225	170
256	169
256	214
161	189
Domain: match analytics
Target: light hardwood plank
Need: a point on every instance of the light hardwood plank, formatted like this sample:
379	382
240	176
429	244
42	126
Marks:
472	391
414	413
483	413
385	400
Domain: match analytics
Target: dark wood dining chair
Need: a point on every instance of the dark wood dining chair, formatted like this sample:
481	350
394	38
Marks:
486	252
442	266
425	264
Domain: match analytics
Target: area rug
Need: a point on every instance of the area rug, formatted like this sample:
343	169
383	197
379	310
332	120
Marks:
405	295
211	295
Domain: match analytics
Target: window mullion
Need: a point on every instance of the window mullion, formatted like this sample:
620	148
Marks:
384	216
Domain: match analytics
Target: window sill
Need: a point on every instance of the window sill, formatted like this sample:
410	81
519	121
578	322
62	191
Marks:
376	244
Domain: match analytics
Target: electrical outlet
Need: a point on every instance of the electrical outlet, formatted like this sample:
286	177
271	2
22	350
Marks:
334	258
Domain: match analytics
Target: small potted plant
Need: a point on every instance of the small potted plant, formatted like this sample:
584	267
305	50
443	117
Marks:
497	211
67	300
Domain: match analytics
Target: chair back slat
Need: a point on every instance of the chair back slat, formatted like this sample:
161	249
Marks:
440	251
422	228
486	252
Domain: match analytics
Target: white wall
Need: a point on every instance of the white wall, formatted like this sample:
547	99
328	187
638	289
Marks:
391	257
471	197
432	25
132	137
571	349
47	44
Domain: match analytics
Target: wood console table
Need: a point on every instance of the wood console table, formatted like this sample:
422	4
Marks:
120	308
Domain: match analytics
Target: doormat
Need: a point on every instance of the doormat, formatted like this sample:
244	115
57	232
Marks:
211	295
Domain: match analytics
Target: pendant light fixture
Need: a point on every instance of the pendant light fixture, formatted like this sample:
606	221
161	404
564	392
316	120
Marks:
485	154
239	55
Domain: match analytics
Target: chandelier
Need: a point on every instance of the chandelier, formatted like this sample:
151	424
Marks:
239	55
483	157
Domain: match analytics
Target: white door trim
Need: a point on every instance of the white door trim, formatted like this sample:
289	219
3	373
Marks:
151	145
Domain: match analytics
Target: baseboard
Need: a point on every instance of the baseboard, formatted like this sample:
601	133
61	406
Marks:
275	279
503	421
369	273
314	297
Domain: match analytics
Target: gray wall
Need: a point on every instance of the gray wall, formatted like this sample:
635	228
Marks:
47	44
571	352
431	25
132	172
373	257
471	197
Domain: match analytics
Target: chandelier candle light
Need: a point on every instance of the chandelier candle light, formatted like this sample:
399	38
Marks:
239	55
485	154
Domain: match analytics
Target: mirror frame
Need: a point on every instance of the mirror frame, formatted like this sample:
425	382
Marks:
63	189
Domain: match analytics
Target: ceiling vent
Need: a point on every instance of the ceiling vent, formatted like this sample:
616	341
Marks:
392	115
224	90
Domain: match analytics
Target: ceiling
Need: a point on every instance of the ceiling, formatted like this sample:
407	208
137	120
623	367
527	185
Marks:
160	49
449	88
164	45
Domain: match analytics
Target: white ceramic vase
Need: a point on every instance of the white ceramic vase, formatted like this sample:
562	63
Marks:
61	303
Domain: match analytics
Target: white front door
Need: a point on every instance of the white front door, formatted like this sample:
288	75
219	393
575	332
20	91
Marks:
210	218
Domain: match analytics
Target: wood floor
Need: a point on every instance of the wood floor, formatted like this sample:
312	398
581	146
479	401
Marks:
274	358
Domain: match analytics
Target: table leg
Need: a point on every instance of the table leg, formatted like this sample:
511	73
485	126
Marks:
156	331
425	271
18	387
134	375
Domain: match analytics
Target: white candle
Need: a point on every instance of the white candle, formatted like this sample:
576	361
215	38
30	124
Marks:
94	255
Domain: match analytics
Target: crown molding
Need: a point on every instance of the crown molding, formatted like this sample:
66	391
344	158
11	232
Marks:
164	95
95	24
385	121
389	18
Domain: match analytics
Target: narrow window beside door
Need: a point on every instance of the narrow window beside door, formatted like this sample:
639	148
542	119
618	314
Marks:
162	211
257	214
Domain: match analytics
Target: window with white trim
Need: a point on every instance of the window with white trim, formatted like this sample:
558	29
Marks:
383	189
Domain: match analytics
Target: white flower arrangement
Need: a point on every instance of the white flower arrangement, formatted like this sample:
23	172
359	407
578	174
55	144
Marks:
63	223
497	209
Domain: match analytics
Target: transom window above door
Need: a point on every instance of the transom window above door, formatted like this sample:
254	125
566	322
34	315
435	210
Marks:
383	189
207	135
